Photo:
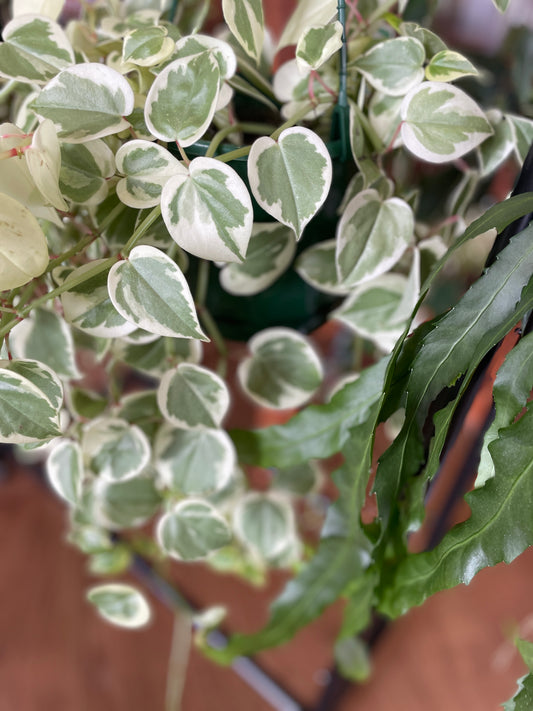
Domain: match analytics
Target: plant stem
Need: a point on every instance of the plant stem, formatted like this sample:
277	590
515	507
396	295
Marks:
111	216
141	230
7	89
381	10
218	339
202	282
76	249
177	663
259	128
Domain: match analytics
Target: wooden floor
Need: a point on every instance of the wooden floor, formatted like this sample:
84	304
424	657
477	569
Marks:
56	655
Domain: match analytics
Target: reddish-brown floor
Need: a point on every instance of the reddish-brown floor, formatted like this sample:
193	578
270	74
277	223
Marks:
56	655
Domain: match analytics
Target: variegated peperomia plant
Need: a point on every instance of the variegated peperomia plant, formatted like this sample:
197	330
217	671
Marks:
148	165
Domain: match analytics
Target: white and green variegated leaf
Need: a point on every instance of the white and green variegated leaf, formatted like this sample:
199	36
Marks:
372	235
42	376
64	468
220	50
140	408
27	413
88	306
496	149
192	530
156	357
299	480
246	22
270	251
441	123
86	101
147	46
290	178
182	100
23	246
265	524
318	267
283	371
432	42
114	449
291	87
208	211
34	50
48	8
449	66
307	14
501	5
522	129
129	503
384	117
85	404
193	397
147	167
194	461
394	66
120	604
85	168
43	157
149	290
47	338
318	44
371	310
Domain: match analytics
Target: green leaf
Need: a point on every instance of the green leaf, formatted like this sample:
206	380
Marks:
23	246
222	52
87	305
522	131
318	431
299	480
112	562
441	123
501	5
47	338
394	66
290	178
27	414
34	50
499	528
208	211
192	530
317	266
318	44
306	14
114	449
120	604
182	100
246	22
85	168
523	699
42	376
449	66
270	251
283	372
64	468
511	391
156	357
494	151
149	290
86	101
455	347
384	117
147	167
125	504
147	46
43	157
265	523
194	461
352	659
372	235
526	652
193	397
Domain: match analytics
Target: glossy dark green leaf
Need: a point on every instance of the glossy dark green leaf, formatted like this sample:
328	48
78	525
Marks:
523	699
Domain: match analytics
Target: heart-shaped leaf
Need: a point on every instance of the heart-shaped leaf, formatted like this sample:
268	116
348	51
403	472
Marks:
40	375
23	247
147	167
192	530
372	235
120	604
194	461
283	372
114	449
270	251
522	129
394	66
307	14
441	123
154	358
264	523
86	101
147	46
85	168
182	100
222	52
317	44
246	22
44	163
449	66
317	266
34	50
125	504
290	177
208	211
150	291
193	397
64	468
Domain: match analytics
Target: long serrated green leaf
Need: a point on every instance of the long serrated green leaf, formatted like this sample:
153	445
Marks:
455	347
499	529
316	432
523	699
